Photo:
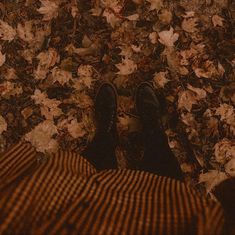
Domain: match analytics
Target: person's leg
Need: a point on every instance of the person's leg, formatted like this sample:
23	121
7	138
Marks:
158	157
101	151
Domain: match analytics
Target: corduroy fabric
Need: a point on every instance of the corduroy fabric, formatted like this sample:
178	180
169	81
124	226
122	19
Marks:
64	194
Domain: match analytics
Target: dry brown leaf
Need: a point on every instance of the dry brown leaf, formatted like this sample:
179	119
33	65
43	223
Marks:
9	89
168	37
76	129
217	21
153	37
2	58
189	25
25	31
49	9
186	100
160	79
41	137
61	76
127	67
224	151
3	124
155	4
212	178
165	16
7	33
49	107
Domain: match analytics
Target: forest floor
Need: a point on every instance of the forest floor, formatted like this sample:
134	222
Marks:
55	53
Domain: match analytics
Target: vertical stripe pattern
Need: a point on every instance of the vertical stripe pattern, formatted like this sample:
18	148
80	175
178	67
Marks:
66	195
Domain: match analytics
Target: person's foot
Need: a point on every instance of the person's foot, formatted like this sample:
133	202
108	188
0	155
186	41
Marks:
101	151
148	107
158	157
106	108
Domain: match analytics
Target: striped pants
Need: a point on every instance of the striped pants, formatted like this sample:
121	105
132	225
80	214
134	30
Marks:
65	194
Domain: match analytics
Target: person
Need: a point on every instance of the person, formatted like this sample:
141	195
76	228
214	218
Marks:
68	193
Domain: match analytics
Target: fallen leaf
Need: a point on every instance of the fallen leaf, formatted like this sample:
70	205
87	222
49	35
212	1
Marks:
41	137
186	100
153	37
3	124
7	33
224	151
133	17
160	79
127	67
168	37
25	31
111	18
2	58
76	129
61	76
217	21
165	16
155	4
189	25
212	178
49	9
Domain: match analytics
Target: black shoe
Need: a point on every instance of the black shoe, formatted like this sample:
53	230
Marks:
158	157
101	151
148	107
106	108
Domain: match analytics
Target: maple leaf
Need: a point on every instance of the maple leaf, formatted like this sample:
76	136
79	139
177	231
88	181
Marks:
2	58
48	58
230	167
25	32
224	151
227	114
113	4
168	37
41	137
127	67
61	76
201	94
189	25
3	124
160	79
49	107
212	178
186	100
76	129
7	33
155	4
153	37
133	17
165	16
85	73
9	89
49	9
217	21
111	18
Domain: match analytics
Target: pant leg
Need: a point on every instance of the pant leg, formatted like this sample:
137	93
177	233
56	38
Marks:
158	157
101	151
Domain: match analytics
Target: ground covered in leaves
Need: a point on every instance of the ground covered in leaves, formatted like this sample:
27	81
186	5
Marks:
54	54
